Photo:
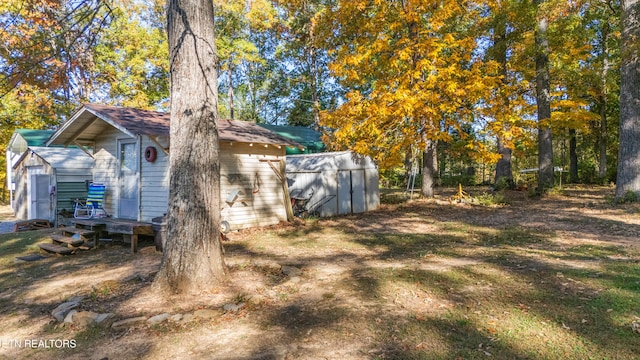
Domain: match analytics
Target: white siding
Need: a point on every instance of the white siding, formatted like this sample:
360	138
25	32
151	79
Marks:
341	182
155	182
106	166
260	200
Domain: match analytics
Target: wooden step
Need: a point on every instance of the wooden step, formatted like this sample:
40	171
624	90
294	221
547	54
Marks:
79	231
34	224
66	240
56	249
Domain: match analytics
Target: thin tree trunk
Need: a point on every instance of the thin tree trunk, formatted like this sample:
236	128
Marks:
230	77
192	261
543	99
603	101
629	153
573	156
504	175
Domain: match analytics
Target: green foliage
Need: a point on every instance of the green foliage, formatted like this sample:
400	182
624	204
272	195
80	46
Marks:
489	199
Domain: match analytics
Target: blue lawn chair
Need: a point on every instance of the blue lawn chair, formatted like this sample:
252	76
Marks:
92	208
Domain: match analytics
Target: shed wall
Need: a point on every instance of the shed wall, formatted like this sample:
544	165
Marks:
338	183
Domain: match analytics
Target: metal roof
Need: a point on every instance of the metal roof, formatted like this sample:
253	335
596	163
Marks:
60	158
307	137
34	137
338	160
92	120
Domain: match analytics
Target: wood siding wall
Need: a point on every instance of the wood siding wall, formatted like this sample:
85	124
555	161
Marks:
245	171
106	168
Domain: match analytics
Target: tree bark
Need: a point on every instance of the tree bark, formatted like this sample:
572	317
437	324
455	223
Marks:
192	261
504	174
429	163
573	157
629	152
603	100
543	99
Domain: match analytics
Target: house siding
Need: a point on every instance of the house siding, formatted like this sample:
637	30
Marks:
154	190
243	170
106	169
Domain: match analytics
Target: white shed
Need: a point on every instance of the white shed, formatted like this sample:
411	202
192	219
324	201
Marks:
333	183
48	180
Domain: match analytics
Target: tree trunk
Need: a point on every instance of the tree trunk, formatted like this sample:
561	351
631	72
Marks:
629	153
429	163
543	99
192	261
573	157
230	92
603	101
504	176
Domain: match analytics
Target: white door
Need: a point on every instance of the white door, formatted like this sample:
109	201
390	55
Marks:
128	180
358	203
344	192
39	196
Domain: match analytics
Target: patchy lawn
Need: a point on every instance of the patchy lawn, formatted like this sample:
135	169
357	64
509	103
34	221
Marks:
550	278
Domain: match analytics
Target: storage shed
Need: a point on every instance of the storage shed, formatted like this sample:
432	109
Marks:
131	150
49	180
333	183
20	140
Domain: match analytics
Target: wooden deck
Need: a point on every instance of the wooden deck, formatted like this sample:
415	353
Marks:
117	226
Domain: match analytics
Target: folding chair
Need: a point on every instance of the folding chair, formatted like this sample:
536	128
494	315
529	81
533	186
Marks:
93	206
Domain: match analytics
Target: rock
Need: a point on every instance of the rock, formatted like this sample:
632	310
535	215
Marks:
176	317
84	318
63	309
69	318
187	318
206	314
127	323
158	318
104	318
291	271
295	279
233	307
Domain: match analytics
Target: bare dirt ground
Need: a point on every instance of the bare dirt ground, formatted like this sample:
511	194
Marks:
363	291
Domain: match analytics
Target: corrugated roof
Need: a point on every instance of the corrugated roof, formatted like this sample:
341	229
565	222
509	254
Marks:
61	158
34	137
309	138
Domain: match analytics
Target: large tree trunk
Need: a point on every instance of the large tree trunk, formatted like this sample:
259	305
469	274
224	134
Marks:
192	260
629	153
429	168
543	97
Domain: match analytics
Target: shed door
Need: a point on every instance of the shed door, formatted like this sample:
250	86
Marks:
344	192
358	200
40	200
128	180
